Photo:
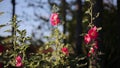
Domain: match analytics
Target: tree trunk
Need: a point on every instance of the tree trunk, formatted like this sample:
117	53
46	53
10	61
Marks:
118	32
64	17
118	23
79	28
13	12
118	6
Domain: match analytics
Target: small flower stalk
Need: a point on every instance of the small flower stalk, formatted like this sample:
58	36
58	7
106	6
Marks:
91	38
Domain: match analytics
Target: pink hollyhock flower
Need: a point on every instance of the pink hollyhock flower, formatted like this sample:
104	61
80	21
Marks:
87	38
92	50
89	54
95	45
54	19
65	50
18	61
1	48
93	32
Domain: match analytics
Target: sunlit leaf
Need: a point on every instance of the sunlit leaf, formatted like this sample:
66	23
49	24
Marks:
85	21
98	29
7	30
87	0
19	32
97	15
2	26
87	12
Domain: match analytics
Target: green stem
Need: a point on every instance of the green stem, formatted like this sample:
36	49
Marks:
91	14
14	32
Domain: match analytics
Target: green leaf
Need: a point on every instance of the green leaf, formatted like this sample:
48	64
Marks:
85	21
98	29
28	38
87	0
1	13
7	30
87	12
2	25
97	15
47	46
19	32
24	32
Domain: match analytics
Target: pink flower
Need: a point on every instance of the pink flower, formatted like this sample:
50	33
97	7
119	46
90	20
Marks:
54	19
95	45
93	32
89	54
92	50
65	50
18	61
1	48
87	38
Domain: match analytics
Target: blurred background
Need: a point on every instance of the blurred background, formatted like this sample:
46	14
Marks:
35	14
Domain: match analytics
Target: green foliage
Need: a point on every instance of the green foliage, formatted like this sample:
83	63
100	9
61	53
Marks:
48	56
18	45
2	26
88	21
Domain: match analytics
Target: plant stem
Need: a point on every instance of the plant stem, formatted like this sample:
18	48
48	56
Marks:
14	32
91	14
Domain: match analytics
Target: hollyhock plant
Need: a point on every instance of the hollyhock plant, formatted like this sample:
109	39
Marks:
93	32
65	50
87	38
18	61
54	19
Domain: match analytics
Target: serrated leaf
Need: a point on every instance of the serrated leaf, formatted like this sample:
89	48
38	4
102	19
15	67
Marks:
24	32
19	32
93	18
7	31
7	40
28	38
97	15
46	47
82	34
11	55
2	25
87	0
85	20
19	21
99	28
24	47
1	13
88	11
